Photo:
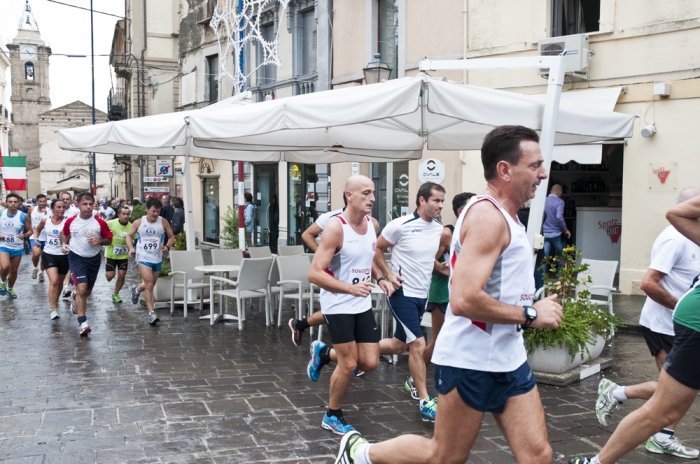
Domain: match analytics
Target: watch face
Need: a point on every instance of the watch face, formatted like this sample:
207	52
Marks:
531	312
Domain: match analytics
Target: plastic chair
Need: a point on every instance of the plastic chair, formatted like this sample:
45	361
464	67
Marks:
294	276
252	283
260	252
291	250
273	290
231	257
183	264
602	275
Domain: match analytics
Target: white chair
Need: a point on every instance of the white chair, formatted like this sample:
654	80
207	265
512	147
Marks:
291	250
260	252
252	283
294	278
273	290
228	257
602	275
183	264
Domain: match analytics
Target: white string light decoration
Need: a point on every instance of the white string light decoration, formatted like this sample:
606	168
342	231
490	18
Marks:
236	23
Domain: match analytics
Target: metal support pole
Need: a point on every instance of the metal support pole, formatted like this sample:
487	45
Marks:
93	180
241	206
187	200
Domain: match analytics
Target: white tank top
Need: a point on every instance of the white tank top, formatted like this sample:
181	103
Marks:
36	218
469	344
53	236
352	264
151	236
10	228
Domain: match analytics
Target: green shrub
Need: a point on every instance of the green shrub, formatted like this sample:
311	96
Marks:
583	318
229	232
138	212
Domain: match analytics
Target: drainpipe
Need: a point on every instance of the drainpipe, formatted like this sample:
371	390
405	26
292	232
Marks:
142	85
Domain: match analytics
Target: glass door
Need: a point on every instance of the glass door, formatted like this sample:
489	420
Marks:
267	214
302	200
210	195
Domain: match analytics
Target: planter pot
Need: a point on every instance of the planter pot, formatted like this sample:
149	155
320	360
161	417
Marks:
556	359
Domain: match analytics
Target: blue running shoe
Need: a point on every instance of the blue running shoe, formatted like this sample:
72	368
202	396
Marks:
358	373
429	410
315	365
336	424
3	289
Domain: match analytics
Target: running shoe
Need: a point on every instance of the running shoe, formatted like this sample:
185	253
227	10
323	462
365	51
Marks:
672	446
84	329
35	272
411	388
315	365
348	445
134	294
605	405
116	298
153	318
429	410
72	303
11	294
3	289
580	460
54	314
66	294
358	373
336	424
41	276
296	333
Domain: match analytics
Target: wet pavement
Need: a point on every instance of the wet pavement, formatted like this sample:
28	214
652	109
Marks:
187	392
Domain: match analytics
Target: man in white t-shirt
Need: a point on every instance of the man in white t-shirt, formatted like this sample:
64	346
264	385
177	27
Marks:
675	264
414	241
105	212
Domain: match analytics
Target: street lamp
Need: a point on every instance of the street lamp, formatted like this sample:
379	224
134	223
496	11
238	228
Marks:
377	70
111	188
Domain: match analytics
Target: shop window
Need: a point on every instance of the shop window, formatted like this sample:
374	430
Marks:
213	78
29	71
575	17
388	23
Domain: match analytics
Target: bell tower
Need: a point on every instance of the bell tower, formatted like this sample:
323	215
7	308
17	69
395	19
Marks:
29	56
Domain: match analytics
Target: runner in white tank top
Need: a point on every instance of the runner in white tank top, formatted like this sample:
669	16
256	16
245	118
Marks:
492	278
14	226
37	214
53	259
343	268
155	238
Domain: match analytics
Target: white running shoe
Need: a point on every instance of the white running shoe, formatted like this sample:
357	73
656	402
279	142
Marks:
72	303
54	314
672	446
605	405
35	272
41	276
84	329
134	294
153	318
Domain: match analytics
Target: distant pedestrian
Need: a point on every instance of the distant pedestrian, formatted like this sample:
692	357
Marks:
249	215
178	222
554	227
167	211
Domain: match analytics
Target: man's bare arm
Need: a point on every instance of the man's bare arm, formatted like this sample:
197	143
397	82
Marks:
309	236
445	242
685	217
651	285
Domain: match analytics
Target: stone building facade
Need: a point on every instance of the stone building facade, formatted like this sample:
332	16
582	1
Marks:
57	164
29	57
5	113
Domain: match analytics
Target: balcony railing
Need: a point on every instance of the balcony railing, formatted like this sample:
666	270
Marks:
301	85
306	84
116	104
194	106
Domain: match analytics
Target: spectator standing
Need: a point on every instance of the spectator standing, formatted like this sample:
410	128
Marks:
554	227
167	211
249	215
178	221
105	211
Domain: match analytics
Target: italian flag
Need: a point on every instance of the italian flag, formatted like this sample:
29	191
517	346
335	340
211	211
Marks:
14	172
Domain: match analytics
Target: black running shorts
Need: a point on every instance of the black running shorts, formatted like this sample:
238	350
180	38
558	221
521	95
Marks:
346	328
111	265
682	362
657	341
60	262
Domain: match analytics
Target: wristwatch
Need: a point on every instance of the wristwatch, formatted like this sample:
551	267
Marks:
530	315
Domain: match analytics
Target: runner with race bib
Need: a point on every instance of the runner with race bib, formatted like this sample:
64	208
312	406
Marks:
117	254
37	214
152	231
53	259
14	225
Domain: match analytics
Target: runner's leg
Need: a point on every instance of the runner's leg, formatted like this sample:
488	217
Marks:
669	403
149	280
346	356
523	425
55	280
81	294
4	266
456	427
438	320
12	275
121	277
36	255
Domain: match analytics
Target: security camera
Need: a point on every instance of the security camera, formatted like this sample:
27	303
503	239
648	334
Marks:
648	131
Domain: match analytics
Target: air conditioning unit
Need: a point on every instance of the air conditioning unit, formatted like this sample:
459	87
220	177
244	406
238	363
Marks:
577	53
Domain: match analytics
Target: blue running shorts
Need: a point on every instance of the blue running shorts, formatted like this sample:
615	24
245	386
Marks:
155	266
408	311
12	253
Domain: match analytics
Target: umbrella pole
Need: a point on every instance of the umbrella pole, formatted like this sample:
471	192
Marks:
187	184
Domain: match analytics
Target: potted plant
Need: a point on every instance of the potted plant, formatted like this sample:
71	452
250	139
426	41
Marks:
585	326
229	231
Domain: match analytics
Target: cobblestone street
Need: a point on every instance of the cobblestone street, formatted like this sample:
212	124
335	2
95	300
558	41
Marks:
188	392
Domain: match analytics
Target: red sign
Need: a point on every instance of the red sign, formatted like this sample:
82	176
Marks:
661	173
612	228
